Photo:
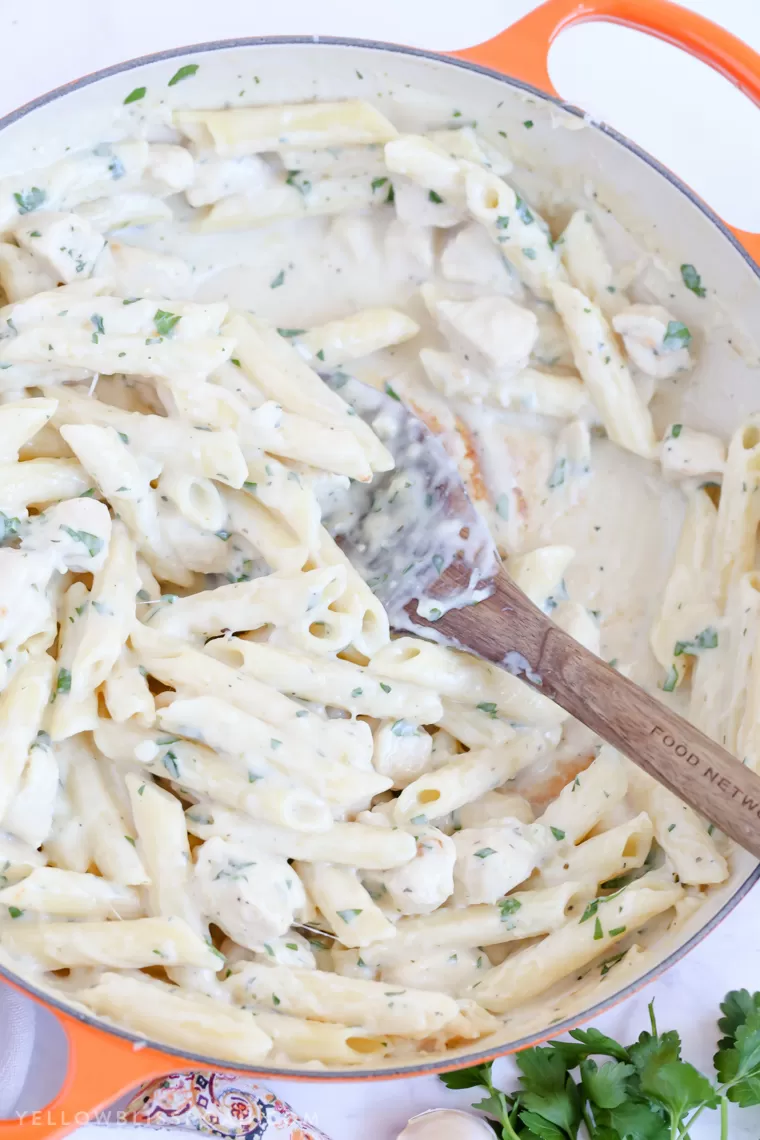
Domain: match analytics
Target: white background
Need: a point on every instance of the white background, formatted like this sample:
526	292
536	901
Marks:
689	118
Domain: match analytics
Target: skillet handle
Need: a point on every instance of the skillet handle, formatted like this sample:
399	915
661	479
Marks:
100	1069
522	49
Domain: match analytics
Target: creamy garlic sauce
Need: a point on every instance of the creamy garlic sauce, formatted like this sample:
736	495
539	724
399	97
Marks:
619	569
535	479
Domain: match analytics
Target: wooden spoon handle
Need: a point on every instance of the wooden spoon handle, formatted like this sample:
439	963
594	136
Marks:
707	777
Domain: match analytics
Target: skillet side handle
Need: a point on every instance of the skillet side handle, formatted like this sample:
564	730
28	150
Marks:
522	49
101	1068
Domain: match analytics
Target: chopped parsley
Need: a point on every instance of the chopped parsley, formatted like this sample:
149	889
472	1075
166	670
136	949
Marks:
356	692
707	639
692	280
598	932
608	963
523	212
385	688
136	95
184	73
92	542
671	680
279	280
484	852
29	200
288	333
433	197
378	182
676	336
559	472
14	912
9	528
63	682
389	391
557	833
97	321
348	916
590	910
165	322
169	762
403	728
508	907
676	430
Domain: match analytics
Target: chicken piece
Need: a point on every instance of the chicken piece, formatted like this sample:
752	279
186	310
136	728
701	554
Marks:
491	861
401	751
655	342
67	245
423	884
493	331
250	895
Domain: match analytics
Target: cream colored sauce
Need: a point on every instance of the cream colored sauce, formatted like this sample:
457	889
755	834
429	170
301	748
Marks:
532	484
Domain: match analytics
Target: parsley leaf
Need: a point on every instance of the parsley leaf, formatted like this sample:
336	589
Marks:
608	1086
678	1086
479	1076
738	1058
644	1092
136	95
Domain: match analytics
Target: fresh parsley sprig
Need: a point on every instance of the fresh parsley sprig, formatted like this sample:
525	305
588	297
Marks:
644	1091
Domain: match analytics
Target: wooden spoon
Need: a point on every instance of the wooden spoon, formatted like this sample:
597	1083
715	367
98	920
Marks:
423	549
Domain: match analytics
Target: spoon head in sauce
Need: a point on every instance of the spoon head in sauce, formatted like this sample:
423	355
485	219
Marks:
412	533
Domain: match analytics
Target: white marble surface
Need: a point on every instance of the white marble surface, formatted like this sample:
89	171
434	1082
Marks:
692	120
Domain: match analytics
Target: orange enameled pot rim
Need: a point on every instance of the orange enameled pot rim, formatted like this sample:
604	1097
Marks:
561	1026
